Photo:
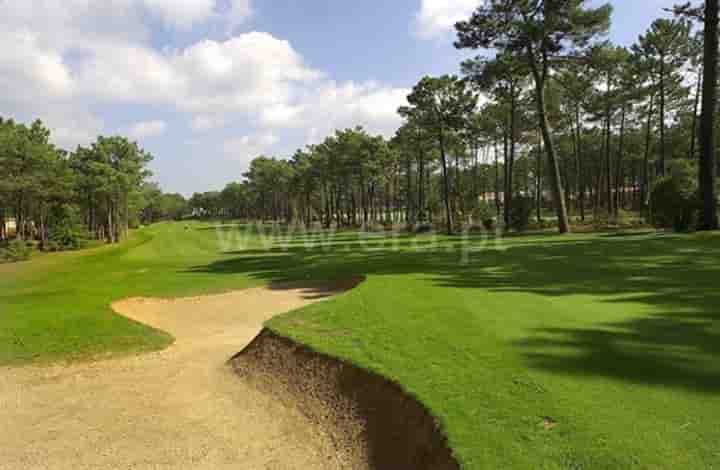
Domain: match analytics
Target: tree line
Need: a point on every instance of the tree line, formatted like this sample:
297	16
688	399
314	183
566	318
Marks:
549	122
550	118
60	198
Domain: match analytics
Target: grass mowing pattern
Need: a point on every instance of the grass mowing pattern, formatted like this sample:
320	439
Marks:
581	352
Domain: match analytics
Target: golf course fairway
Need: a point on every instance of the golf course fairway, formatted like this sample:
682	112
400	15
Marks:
549	352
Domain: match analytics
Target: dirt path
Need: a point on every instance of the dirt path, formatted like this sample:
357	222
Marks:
181	408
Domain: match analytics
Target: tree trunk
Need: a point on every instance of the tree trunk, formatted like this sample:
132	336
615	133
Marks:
618	163
709	219
127	216
661	162
421	186
43	228
538	180
409	217
476	193
497	181
446	183
645	185
608	163
110	230
506	177
457	190
511	161
696	106
555	180
578	157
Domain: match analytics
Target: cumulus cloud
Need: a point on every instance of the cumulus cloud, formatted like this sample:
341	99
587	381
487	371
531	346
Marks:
341	105
247	147
206	123
437	17
24	59
144	129
246	73
181	13
239	12
62	60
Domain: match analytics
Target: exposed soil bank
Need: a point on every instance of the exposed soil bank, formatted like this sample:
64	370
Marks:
374	424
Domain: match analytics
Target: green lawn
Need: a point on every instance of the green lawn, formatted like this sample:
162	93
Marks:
545	352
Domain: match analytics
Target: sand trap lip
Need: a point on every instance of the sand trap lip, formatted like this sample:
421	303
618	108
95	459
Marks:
200	404
373	422
195	317
182	407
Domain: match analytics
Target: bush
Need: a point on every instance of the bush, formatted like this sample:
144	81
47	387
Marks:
674	199
14	251
484	213
543	224
424	228
66	231
622	219
520	212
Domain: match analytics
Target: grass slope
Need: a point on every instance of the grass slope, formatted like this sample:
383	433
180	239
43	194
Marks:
57	307
545	352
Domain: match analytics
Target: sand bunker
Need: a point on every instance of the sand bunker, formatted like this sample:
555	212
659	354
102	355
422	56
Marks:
275	405
181	408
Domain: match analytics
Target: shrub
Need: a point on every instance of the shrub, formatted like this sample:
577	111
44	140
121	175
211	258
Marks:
66	231
543	224
621	219
14	251
674	200
520	212
484	213
424	228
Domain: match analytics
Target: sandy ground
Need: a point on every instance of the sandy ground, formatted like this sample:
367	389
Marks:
181	408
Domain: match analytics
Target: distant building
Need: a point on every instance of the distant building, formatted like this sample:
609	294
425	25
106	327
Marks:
10	226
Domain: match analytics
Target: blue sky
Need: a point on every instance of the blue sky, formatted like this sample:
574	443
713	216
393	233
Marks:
206	85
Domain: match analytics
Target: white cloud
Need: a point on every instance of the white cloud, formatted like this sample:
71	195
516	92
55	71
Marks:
62	60
144	129
245	73
129	73
246	148
335	105
24	59
437	17
206	123
181	14
281	115
239	12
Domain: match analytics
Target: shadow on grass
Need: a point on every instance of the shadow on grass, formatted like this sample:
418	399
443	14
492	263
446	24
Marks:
678	277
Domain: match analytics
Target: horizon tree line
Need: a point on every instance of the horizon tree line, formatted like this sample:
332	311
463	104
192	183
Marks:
60	198
549	121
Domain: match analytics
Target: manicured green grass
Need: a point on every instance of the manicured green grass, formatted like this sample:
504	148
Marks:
544	352
57	306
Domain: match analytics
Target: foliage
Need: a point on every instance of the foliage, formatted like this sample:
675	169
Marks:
536	32
57	197
66	231
14	251
674	198
485	214
520	213
157	206
443	106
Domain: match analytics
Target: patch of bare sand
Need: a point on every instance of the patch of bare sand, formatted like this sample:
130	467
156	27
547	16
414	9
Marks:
181	408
